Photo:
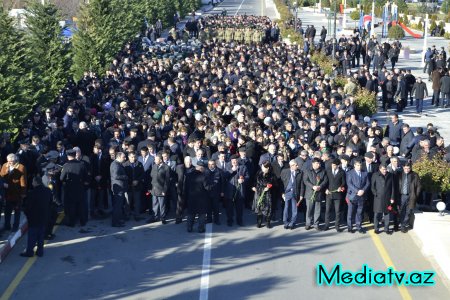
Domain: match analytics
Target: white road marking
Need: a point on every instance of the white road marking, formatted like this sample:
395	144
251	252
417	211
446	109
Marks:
204	283
239	7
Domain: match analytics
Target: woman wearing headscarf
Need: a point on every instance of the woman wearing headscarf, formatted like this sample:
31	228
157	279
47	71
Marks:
262	202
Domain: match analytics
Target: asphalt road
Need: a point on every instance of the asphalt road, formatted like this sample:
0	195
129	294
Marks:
165	262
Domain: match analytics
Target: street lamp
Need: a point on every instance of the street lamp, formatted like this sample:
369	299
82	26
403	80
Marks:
425	39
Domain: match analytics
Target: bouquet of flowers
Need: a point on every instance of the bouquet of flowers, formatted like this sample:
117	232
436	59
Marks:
260	200
314	192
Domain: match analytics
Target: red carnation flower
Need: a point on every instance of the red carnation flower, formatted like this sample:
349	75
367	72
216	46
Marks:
269	185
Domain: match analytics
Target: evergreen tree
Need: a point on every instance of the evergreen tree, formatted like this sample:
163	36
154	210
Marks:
16	76
104	27
47	50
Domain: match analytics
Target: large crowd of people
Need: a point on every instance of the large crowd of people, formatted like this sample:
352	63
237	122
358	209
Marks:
228	125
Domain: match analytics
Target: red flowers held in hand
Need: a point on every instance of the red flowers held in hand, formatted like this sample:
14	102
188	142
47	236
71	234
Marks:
342	189
269	185
389	208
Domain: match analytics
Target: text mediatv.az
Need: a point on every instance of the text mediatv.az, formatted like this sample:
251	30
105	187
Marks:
367	276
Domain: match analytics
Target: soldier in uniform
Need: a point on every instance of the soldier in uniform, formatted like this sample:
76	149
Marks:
248	35
238	35
228	35
221	34
256	36
74	177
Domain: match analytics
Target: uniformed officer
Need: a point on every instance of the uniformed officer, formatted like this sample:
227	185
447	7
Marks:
256	36
248	36
220	34
228	35
74	178
50	180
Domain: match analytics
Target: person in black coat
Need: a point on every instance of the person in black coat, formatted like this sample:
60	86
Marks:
182	170
99	164
215	184
196	191
419	90
278	166
401	95
119	186
37	208
160	180
50	179
334	193
445	89
263	187
315	181
135	172
74	177
383	189
235	178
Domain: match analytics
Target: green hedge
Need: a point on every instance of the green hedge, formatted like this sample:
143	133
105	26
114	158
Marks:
396	32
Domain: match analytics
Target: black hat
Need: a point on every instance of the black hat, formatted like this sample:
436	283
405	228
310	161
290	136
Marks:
235	156
201	163
242	149
336	162
71	152
52	154
316	160
24	142
50	166
369	155
345	157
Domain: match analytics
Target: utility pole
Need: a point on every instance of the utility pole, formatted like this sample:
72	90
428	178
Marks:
344	18
372	23
334	30
425	40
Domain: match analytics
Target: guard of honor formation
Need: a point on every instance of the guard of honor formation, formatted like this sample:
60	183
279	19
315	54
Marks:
188	127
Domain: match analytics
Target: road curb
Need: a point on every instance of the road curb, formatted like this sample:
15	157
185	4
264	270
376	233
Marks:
13	238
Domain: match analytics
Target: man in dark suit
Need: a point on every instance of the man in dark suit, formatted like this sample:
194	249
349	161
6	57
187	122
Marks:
135	172
278	166
213	176
196	192
358	185
119	186
160	179
221	161
315	181
409	188
291	190
334	193
235	178
370	167
99	181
